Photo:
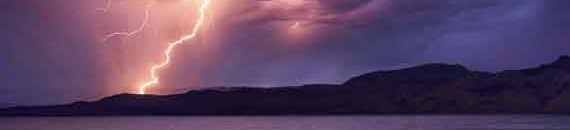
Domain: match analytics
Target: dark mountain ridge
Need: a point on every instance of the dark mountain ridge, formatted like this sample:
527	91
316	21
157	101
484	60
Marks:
6	105
425	89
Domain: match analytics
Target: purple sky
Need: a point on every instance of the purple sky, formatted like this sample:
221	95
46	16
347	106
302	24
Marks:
51	52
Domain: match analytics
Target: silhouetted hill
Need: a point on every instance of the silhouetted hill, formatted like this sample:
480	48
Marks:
6	105
426	89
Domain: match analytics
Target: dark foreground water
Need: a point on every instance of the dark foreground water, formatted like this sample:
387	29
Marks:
527	122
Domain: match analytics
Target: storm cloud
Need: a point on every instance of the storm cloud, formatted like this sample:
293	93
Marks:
48	48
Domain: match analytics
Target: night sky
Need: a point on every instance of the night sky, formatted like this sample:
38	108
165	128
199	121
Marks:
51	50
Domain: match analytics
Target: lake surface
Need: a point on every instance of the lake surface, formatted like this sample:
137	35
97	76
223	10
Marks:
526	122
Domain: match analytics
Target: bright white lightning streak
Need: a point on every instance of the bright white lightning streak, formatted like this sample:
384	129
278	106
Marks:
154	78
134	32
295	25
107	6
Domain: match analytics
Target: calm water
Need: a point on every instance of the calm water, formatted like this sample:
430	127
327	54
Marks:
292	123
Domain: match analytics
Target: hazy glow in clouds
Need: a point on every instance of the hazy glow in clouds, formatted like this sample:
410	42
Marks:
300	19
288	5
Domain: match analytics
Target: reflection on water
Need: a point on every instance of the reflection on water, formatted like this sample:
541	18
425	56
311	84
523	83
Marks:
526	122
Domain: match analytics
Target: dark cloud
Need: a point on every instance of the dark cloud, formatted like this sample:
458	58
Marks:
379	34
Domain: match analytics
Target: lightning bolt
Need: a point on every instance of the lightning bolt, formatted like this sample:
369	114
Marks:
154	78
107	6
134	32
295	25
